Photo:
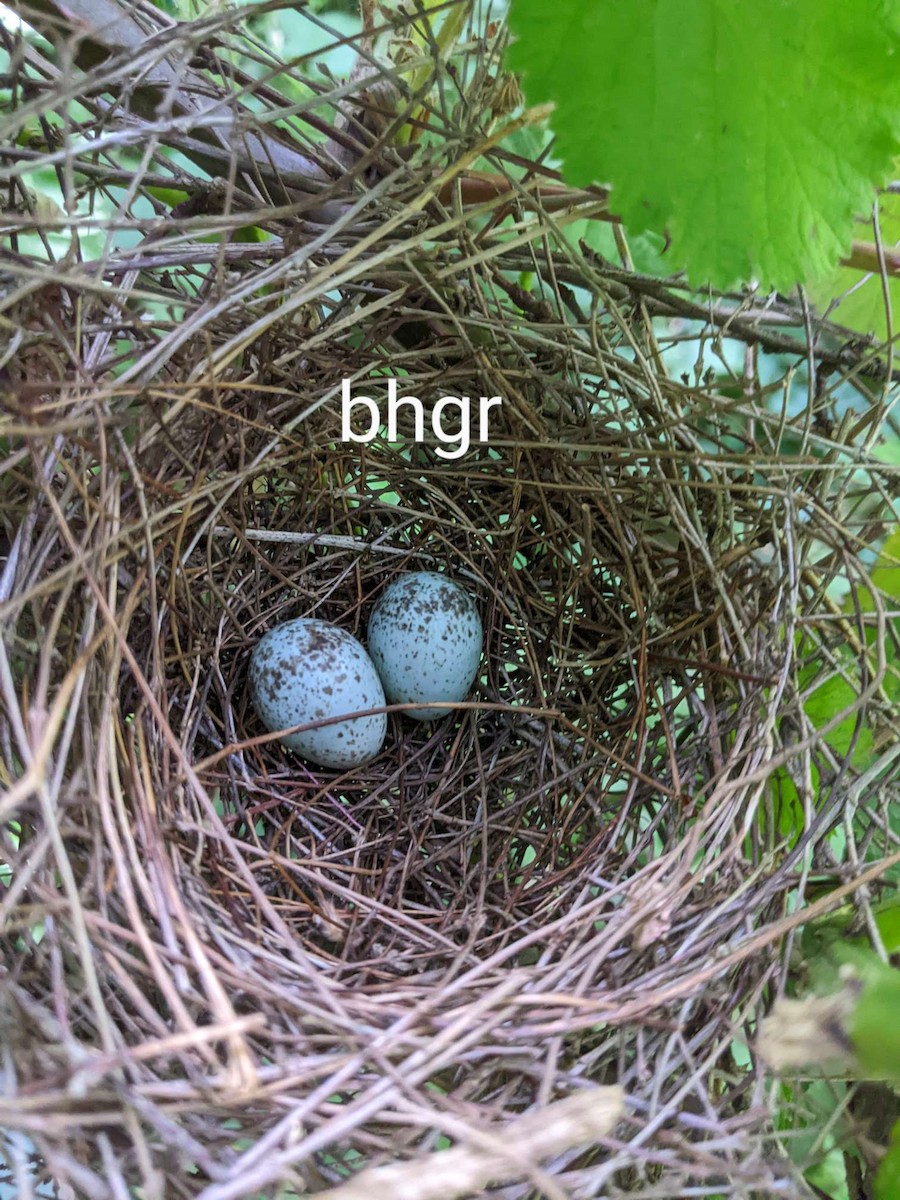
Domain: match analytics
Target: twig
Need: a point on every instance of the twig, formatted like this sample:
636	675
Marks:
504	1155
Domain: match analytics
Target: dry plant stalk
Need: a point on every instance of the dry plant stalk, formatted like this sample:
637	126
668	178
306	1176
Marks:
797	1033
493	1156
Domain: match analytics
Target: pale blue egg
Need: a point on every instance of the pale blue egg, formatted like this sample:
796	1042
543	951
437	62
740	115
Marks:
425	639
307	670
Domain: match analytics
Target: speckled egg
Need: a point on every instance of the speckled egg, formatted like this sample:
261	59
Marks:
425	639
307	670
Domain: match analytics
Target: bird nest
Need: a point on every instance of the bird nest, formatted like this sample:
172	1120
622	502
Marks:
227	971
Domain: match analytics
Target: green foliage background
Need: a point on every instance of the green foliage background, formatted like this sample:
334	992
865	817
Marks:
752	134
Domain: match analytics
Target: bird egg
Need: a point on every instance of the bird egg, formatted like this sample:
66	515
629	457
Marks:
425	638
308	670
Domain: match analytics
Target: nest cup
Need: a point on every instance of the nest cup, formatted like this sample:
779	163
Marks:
487	812
228	970
526	859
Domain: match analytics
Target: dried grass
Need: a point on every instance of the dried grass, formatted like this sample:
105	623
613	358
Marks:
228	974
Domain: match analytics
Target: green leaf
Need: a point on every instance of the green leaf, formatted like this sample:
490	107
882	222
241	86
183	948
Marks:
647	249
170	196
750	133
887	1181
874	1027
830	698
887	918
790	814
829	1175
886	575
860	298
828	937
886	578
252	233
